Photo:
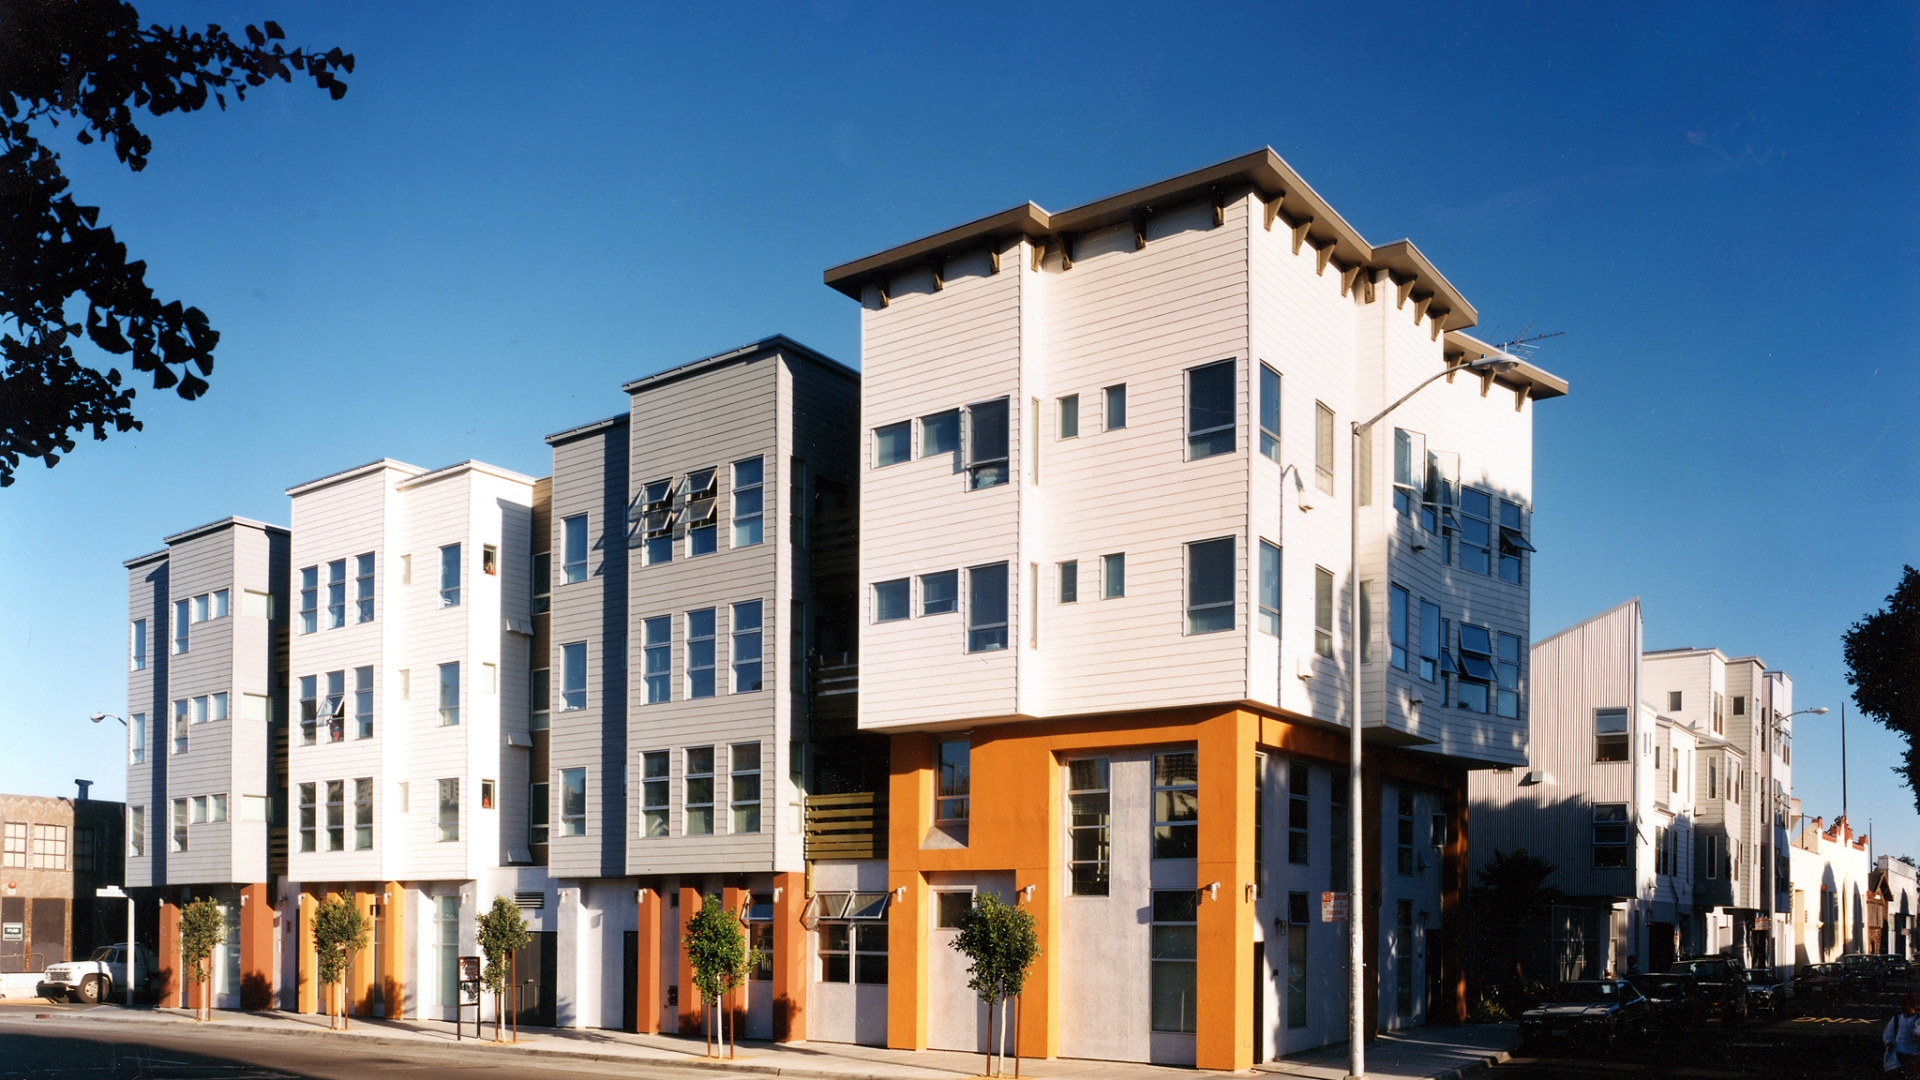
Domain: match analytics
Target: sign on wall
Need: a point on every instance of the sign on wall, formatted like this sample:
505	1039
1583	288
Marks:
1333	907
13	931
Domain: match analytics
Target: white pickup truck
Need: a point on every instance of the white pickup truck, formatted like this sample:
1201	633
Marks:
98	977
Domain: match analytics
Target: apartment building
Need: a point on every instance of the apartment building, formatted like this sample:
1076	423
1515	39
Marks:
409	670
702	587
1105	566
206	712
1831	876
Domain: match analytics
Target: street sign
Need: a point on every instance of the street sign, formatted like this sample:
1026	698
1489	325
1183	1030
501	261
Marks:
1333	907
1762	922
111	892
13	931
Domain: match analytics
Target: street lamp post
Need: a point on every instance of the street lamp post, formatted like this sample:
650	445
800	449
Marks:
1356	863
116	892
1776	727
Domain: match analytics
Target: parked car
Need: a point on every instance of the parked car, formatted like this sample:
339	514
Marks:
1863	971
1724	982
1896	967
98	977
1821	982
1675	1002
1765	992
1587	1013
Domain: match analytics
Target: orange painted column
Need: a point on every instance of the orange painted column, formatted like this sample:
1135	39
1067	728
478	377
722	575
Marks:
734	1005
691	1014
646	994
910	815
365	965
789	958
307	996
256	948
1223	1015
171	977
393	939
1027	782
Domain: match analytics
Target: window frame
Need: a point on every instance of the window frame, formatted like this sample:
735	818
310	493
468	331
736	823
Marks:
1204	608
1113	576
451	573
745	809
708	643
985	469
447	808
573	801
542	575
950	579
747	522
942	425
1610	746
656	659
984	634
1174	948
1323	613
1324	449
575	548
1097	801
1069	416
309	599
450	714
1268	421
691	804
952	783
1114	407
1176	813
1271	565
745	646
573	676
1618	830
900	430
1067	581
1215	439
656	793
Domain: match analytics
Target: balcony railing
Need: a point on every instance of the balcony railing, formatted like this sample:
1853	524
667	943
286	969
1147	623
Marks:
850	826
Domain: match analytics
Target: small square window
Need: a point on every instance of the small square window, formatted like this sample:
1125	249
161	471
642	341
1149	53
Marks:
940	593
893	444
891	600
940	433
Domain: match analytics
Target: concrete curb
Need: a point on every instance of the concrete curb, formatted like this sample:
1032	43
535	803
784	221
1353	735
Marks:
1475	1068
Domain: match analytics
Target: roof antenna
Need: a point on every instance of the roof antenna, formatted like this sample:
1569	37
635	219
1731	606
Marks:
1521	345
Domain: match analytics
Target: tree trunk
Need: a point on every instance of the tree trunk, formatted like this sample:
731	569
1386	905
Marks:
706	1025
989	1038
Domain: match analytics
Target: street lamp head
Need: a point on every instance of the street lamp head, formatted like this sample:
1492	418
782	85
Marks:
97	717
1494	365
1819	710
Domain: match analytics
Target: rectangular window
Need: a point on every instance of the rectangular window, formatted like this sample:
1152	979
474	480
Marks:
1397	602
1403	831
699	791
1212	402
179	626
573	549
449	694
703	515
940	593
1299	812
746	647
1176	805
656	636
137	831
309	599
334	708
1269	588
1070	581
362	588
200	608
137	739
449	810
219	604
892	600
137	645
749	502
199	804
987	456
537	813
987	608
892	444
1323	447
1113	576
49	847
1322	612
1211	574
1269	412
573	676
1719	714
940	433
450	576
1090	826
1070	416
1297	910
1512	542
336	594
1739	705
1175	951
1429	640
542	583
1475	531
1508	666
1610	835
1409	469
180	726
1673	701
179	840
655	522
1116	406
1477	676
654	783
363	814
540	697
700	653
16	844
743	786
1609	734
308	813
336	815
950	804
573	802
363	702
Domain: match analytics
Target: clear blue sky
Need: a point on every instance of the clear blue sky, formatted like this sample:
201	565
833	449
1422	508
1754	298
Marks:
517	207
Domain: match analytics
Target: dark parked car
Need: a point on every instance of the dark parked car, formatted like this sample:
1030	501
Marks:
1863	971
1675	1001
1765	992
1821	982
1588	1013
1724	982
1896	967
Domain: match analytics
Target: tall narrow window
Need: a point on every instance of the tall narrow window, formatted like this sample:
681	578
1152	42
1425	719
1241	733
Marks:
1476	531
655	523
573	676
363	588
1513	542
1259	825
537	813
657	647
1212	400
1609	734
940	433
987	608
1322	612
309	709
987	457
1323	447
336	815
363	702
700	653
363	814
180	623
540	696
1090	810
180	819
200	608
1299	812
654	784
573	802
1297	910
137	739
137	645
180	722
1474	686
336	594
743	786
1269	588
892	444
956	782
1269	412
1409	469
449	694
542	582
1070	416
1176	805
335	706
573	549
309	813
446	926
450	576
1403	831
1210	586
1610	835
1113	575
1070	581
1429	640
1508	666
137	831
449	810
703	514
699	788
309	599
749	502
1175	952
1116	406
940	593
746	647
1397	626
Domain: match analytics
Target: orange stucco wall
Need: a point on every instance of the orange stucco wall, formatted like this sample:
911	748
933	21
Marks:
256	948
646	994
789	958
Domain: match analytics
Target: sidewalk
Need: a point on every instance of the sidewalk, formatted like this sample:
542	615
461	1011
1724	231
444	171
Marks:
1438	1052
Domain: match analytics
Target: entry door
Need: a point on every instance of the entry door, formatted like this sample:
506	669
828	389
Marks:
537	967
1259	1002
226	959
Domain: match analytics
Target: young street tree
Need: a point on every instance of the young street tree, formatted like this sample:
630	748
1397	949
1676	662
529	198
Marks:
716	946
203	926
1000	945
339	931
502	932
1883	666
91	63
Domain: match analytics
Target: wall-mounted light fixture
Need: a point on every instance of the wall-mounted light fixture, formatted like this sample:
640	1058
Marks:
1213	891
900	895
1026	895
